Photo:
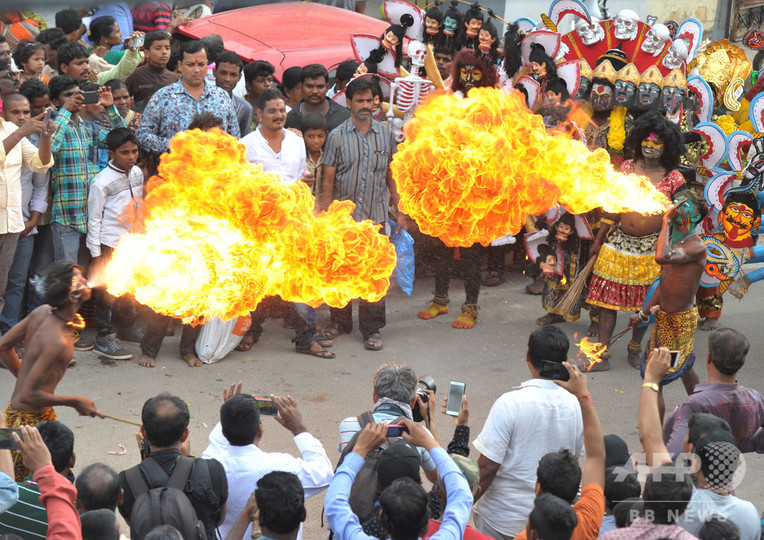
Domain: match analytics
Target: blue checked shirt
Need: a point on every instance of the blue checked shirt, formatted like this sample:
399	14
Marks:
171	109
75	151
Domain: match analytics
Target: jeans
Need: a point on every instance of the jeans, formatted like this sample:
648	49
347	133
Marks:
371	317
42	257
8	243
156	326
17	281
66	242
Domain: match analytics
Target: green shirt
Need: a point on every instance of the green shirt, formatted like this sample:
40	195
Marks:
27	518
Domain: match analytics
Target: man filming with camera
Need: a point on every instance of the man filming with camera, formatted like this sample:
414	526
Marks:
396	395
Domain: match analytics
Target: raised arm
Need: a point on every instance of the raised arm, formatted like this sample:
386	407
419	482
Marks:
648	418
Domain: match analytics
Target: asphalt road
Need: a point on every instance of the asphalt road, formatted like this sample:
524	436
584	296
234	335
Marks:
489	358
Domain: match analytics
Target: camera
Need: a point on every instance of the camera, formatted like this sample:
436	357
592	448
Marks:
424	383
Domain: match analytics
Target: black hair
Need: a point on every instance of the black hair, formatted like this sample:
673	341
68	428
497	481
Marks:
547	343
60	442
346	70
701	423
667	492
313	121
101	27
152	37
165	419
281	501
552	518
361	84
258	68
98	487
163	532
68	20
748	199
399	30
99	525
727	349
291	78
54	37
558	473
240	419
488	26
668	132
268	95
314	71
115	84
513	59
453	12
206	121
172	63
538	55
14	96
71	51
442	49
191	47
558	86
620	485
25	50
404	509
34	88
214	46
119	136
56	282
625	512
692	195
434	12
376	88
230	57
719	457
719	528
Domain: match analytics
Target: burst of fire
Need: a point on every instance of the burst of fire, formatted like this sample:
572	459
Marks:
589	352
220	234
471	169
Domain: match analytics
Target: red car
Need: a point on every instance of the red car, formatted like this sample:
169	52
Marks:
287	34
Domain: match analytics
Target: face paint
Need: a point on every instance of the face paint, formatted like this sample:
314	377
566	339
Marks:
79	284
683	222
648	95
470	76
672	98
449	26
602	98
737	220
625	93
652	147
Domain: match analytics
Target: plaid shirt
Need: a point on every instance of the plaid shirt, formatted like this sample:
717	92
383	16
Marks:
75	150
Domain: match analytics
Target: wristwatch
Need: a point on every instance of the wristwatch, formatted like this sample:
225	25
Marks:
651	385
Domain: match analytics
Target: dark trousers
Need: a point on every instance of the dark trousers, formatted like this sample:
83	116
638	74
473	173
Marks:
371	317
470	264
497	258
109	311
301	316
156	328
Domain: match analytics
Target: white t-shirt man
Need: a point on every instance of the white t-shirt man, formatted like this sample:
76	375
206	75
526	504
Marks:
290	163
524	425
705	503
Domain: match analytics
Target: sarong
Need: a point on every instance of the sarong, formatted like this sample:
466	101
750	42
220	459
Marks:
624	270
16	419
676	332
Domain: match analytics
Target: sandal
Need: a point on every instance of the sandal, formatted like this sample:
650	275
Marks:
246	343
324	342
311	349
333	332
373	342
494	279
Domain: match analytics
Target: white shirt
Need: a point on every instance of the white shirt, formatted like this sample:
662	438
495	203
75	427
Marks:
245	465
705	503
289	163
26	154
523	426
110	194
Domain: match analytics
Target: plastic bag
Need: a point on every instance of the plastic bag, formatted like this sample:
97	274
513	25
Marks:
404	251
218	338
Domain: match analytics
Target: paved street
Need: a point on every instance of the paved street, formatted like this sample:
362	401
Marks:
489	358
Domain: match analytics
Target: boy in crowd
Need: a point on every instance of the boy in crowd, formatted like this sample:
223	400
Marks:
227	73
114	196
314	134
154	74
258	77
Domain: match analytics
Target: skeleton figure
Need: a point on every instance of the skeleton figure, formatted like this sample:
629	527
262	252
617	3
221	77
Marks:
655	39
676	54
411	90
590	33
626	25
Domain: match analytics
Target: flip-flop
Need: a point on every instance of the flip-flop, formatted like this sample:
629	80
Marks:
370	340
493	279
332	333
308	349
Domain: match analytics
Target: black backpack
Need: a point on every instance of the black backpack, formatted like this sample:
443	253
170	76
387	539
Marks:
163	500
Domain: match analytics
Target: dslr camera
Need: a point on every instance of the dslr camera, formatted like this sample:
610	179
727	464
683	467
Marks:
424	383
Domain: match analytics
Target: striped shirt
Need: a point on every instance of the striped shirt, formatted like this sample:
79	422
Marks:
150	16
27	518
362	162
75	150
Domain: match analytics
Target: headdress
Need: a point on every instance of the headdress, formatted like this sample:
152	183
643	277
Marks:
675	78
605	71
724	66
586	70
629	73
652	75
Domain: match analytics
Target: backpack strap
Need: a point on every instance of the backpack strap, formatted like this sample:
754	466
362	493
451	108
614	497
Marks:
180	473
364	419
145	476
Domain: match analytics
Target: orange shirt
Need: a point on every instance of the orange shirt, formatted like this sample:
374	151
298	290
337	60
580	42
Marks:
590	509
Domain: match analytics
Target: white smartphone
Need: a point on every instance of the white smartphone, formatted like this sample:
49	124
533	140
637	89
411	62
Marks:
455	393
674	358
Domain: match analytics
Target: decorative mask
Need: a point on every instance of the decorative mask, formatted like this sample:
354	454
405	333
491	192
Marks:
626	25
673	93
583	88
470	76
602	97
652	147
738	220
486	40
649	89
432	26
563	232
590	33
548	265
625	88
390	41
655	39
473	27
676	55
449	26
417	53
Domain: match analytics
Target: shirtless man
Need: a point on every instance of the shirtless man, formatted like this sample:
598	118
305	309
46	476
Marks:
626	266
682	256
49	347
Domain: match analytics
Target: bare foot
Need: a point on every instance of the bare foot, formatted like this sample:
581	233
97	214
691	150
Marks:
635	359
192	360
709	324
550	318
146	361
594	329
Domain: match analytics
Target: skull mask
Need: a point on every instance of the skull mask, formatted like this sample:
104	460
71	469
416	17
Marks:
655	39
417	52
676	54
626	25
590	33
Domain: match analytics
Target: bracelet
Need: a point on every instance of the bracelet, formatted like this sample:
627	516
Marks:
587	396
642	316
652	386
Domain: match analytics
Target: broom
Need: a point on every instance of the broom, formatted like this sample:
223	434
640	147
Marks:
570	299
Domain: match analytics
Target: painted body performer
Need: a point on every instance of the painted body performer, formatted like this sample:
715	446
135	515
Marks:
468	71
626	266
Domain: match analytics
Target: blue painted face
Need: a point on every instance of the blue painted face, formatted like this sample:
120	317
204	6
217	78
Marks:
449	26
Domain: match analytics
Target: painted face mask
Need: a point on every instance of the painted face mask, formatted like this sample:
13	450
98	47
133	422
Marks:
390	41
625	93
449	26
652	147
648	95
602	98
672	98
583	88
470	76
563	232
485	40
737	220
473	27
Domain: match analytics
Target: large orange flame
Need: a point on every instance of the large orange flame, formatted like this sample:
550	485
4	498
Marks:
220	234
471	169
590	353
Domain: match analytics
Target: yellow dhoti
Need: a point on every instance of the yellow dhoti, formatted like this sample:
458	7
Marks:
16	419
676	332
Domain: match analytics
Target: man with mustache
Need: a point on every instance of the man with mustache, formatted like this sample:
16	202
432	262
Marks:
315	85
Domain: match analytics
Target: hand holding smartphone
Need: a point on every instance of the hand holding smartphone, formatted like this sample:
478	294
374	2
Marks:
6	441
455	393
554	371
267	407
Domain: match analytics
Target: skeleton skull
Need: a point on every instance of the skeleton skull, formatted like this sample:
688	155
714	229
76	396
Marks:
626	25
417	52
655	39
676	54
590	33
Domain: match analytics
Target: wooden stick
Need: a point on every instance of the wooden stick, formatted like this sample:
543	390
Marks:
118	419
618	336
